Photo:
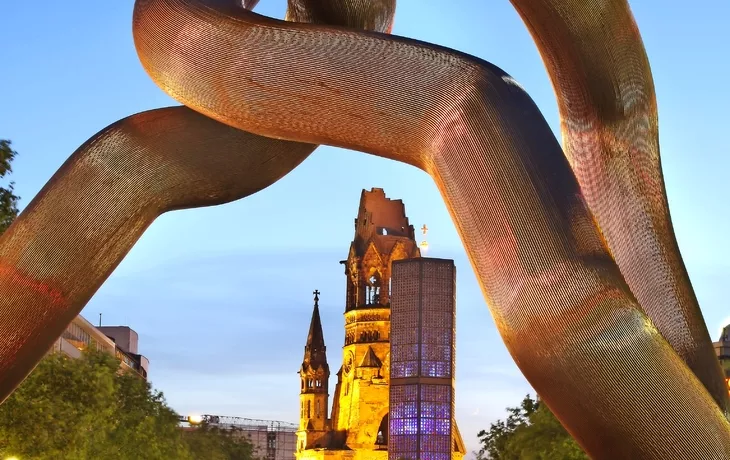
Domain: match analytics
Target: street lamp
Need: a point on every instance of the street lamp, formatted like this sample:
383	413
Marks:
195	419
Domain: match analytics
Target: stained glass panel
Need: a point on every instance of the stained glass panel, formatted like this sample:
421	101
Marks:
422	346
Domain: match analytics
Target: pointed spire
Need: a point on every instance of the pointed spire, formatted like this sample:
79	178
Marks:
315	350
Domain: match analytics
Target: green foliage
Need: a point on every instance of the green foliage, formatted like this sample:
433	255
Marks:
531	432
146	427
214	444
8	200
61	411
86	409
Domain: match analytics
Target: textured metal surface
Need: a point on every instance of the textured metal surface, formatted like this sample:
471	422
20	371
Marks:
79	227
559	299
374	15
70	238
610	135
567	311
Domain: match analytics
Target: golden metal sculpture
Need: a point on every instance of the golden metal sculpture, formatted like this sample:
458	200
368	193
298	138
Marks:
603	323
79	227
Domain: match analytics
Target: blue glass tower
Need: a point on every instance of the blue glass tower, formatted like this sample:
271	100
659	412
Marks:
422	342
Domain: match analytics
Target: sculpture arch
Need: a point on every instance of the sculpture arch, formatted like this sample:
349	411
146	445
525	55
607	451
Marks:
526	220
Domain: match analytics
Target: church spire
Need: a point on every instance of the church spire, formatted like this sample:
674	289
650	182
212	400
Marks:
315	350
314	376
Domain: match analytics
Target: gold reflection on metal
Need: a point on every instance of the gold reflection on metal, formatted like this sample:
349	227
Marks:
603	323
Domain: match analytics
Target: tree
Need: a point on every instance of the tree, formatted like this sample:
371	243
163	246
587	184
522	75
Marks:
61	410
8	200
531	432
145	426
212	443
86	408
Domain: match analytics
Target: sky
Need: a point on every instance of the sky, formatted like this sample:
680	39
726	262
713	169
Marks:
221	296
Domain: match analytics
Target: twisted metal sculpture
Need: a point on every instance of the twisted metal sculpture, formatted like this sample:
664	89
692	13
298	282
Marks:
603	323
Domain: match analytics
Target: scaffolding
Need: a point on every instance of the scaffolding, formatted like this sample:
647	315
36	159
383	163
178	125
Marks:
271	439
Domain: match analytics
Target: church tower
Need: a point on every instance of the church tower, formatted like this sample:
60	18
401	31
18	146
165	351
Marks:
358	426
383	234
314	375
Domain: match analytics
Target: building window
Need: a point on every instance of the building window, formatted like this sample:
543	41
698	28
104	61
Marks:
77	336
382	437
309	409
316	409
372	291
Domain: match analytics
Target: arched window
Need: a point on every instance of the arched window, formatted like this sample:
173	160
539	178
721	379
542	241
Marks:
309	409
382	438
373	289
316	409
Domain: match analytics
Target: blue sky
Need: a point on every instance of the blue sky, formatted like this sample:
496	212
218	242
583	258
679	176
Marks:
221	297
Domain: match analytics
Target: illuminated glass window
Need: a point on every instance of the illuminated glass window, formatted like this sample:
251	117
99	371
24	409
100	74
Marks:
422	346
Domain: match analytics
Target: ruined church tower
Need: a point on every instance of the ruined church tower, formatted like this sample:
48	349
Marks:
357	428
382	234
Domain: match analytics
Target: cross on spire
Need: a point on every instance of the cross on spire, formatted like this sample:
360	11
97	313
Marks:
424	243
316	296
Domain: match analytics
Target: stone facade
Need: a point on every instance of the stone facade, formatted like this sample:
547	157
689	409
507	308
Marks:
357	427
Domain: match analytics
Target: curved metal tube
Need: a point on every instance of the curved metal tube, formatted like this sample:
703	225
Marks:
565	309
599	69
559	300
74	233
